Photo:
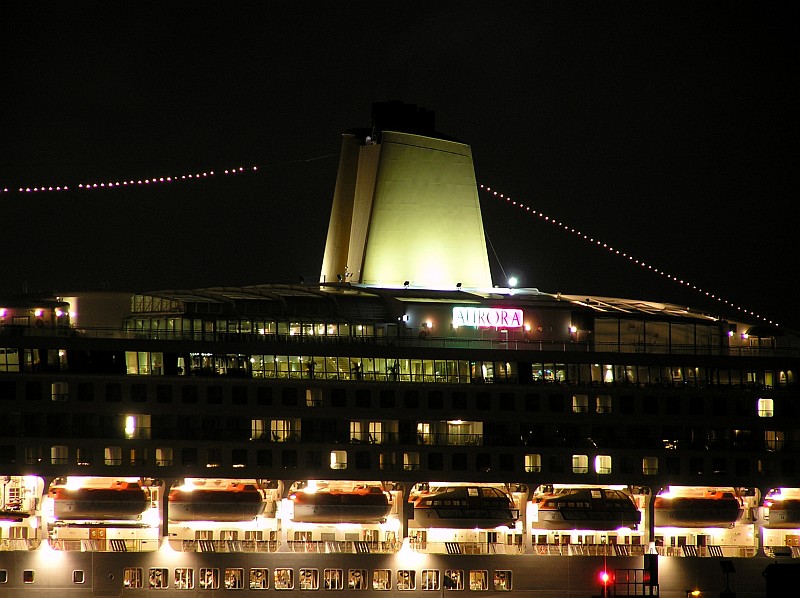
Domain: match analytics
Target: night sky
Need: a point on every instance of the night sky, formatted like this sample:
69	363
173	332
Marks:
665	129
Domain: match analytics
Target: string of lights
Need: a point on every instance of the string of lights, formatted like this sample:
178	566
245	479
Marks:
155	180
239	170
622	254
88	186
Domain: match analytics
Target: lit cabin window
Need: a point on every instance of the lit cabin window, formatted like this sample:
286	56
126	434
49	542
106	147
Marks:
284	579
603	404
184	578
602	464
479	580
112	455
309	579
234	579
430	580
132	577
406	579
533	463
580	403
259	579
766	408
357	579
137	426
59	391
209	579
333	579
313	397
382	579
580	464
453	579
158	577
59	454
338	459
774	440
410	461
163	457
502	581
650	465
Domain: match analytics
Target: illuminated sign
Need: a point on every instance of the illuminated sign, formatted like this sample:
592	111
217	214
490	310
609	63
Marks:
487	317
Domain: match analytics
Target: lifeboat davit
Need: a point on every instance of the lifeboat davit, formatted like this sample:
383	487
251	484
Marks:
586	508
215	501
463	507
700	507
359	504
782	509
115	501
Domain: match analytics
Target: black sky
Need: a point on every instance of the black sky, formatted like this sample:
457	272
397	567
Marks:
665	129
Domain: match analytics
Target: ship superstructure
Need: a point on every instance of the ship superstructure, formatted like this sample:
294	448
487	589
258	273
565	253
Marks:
401	426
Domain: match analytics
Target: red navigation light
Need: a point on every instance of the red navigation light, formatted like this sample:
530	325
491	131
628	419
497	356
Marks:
604	577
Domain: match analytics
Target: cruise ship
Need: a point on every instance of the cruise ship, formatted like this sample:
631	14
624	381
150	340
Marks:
404	426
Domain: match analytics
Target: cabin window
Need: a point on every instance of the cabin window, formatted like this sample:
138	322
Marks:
3	576
284	579
387	461
580	403
580	464
650	465
338	459
184	578
132	577
259	579
313	397
479	580
59	454
381	579
234	579
333	579
430	580
502	581
411	461
357	579
533	463
28	576
158	578
406	579
137	426
59	391
774	440
209	579
765	408
78	576
163	457
602	464
453	579
309	579
603	404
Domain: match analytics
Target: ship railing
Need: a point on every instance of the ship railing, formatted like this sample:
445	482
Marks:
480	548
712	551
792	552
589	549
108	545
410	341
343	546
8	544
228	546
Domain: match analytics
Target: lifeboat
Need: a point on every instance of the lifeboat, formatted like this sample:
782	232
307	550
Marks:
782	508
217	500
464	507
586	508
360	503
697	507
117	500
